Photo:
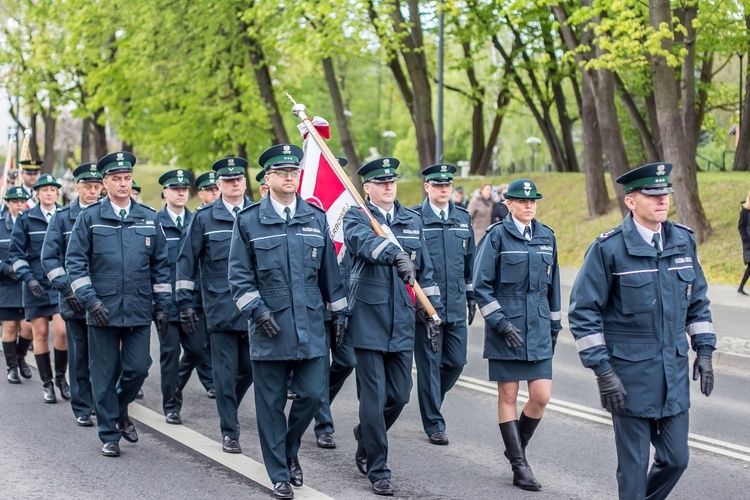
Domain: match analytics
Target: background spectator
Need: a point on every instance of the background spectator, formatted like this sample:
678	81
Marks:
480	210
459	198
743	226
500	210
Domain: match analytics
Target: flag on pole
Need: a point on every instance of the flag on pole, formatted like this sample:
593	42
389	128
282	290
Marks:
320	186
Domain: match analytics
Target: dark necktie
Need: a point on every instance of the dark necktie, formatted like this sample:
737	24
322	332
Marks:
123	213
388	219
49	216
235	211
442	215
178	221
288	214
656	241
527	233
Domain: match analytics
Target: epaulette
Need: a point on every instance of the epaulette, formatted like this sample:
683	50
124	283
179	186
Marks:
253	204
412	211
609	233
316	207
63	209
545	225
146	206
682	226
459	207
416	208
492	225
202	207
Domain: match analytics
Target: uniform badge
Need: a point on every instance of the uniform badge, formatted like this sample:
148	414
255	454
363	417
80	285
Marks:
527	188
464	243
148	241
660	170
386	162
444	168
314	253
120	156
414	255
287	149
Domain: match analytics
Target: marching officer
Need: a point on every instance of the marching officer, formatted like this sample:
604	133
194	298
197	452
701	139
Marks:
88	185
450	240
39	298
208	192
283	274
383	311
203	262
17	335
174	218
119	270
638	296
262	184
30	172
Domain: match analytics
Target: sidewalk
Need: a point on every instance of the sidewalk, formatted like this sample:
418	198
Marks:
732	351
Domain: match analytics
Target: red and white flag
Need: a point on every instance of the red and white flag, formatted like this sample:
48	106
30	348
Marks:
321	186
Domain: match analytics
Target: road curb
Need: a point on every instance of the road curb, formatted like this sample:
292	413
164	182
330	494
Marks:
732	360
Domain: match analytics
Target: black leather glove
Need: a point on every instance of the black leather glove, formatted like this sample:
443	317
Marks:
189	320
511	335
339	328
161	318
471	304
266	325
72	301
433	334
703	367
7	271
36	288
611	391
98	314
404	268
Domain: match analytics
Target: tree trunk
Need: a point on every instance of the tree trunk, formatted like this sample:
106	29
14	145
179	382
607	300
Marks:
742	155
566	129
100	135
707	69
50	127
684	178
690	126
86	141
34	138
347	142
501	106
609	125
651	108
127	146
652	155
265	87
593	157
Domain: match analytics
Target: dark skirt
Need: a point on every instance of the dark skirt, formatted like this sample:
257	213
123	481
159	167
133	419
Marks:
515	371
11	313
41	312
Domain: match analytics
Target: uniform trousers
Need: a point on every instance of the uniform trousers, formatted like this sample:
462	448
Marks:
81	399
437	372
384	384
232	375
189	362
337	368
169	361
633	437
280	438
116	375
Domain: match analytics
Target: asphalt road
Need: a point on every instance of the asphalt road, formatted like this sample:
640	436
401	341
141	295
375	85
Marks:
44	455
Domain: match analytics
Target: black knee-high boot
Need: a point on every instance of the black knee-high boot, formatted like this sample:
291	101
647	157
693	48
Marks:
522	475
61	366
526	428
45	373
22	349
745	277
11	359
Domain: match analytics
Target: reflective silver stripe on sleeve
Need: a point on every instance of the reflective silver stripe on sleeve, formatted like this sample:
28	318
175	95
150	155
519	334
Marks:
338	305
700	327
589	341
164	288
555	315
80	282
490	308
184	285
469	287
431	291
376	253
246	299
56	272
19	264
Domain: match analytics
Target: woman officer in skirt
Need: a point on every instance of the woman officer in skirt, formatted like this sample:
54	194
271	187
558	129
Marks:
517	288
15	346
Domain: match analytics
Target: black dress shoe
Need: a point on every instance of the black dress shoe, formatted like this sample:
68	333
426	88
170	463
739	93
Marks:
439	437
84	421
127	429
62	384
295	471
174	418
283	489
49	393
111	449
382	487
211	393
230	445
13	377
325	440
741	291
360	458
25	370
139	394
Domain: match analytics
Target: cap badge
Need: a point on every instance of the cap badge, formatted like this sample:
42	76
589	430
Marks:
387	170
660	170
386	162
287	149
230	168
120	156
444	168
230	161
527	188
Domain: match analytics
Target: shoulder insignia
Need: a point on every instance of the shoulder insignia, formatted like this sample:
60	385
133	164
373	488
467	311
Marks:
63	209
412	211
316	207
250	206
202	207
545	225
682	226
146	206
416	208
493	225
609	233
459	207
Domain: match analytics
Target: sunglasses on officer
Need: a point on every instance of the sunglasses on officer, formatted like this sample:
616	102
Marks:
285	172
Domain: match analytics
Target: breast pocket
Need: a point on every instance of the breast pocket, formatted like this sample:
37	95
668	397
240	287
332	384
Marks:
545	273
637	293
102	241
35	247
312	248
686	278
269	253
514	267
218	245
411	246
145	237
461	241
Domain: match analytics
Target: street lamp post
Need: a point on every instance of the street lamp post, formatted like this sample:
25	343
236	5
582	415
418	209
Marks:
441	51
533	142
388	135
